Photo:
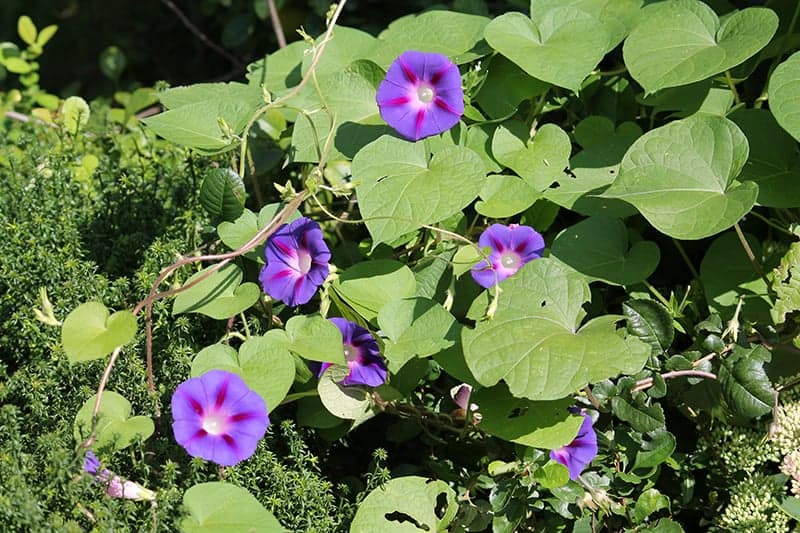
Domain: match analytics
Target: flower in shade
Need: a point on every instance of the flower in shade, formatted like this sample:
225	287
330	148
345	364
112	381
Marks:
218	417
580	452
421	95
362	355
115	486
511	247
297	262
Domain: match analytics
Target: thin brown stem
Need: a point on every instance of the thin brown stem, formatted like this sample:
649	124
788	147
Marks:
276	24
202	37
646	383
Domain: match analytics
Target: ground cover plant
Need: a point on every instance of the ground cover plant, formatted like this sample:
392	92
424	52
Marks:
489	268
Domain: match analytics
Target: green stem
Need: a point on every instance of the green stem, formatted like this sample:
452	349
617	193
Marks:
688	262
297	395
657	294
753	260
732	85
246	326
771	224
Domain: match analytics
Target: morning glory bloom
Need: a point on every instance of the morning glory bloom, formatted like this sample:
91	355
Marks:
218	417
362	355
115	486
421	95
297	262
580	452
511	247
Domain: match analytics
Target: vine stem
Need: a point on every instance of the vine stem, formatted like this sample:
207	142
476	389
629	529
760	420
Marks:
753	260
646	383
732	85
276	24
686	259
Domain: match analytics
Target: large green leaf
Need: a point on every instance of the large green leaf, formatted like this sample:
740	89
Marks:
784	86
540	160
220	295
278	71
399	190
681	177
534	342
546	424
504	196
651	322
370	285
745	385
90	333
348	402
195	112
346	46
595	168
682	41
264	363
618	16
786	284
445	32
115	428
315	338
406	505
774	162
505	87
547	48
727	274
218	507
223	194
415	327
598	248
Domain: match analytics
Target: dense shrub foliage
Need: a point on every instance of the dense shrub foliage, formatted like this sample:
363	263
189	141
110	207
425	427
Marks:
488	266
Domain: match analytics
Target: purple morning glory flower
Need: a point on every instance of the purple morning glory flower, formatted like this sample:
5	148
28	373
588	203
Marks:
512	246
421	95
362	355
297	262
580	452
115	486
218	417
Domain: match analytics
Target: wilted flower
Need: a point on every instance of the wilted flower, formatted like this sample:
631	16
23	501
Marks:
362	355
580	452
297	262
218	417
115	486
421	95
511	247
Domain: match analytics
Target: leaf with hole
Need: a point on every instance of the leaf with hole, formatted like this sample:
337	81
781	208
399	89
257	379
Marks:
406	504
539	161
90	333
219	295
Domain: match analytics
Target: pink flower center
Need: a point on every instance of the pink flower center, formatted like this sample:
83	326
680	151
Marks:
510	260
425	93
303	261
215	424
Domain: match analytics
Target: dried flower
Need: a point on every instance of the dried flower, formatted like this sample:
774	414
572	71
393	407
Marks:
511	247
421	95
580	452
297	262
115	486
218	417
362	355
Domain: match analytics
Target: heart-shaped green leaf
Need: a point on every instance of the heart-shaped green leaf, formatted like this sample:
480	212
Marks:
89	333
505	87
264	363
595	168
406	504
220	295
545	424
415	327
541	160
598	248
400	190
681	41
618	16
237	233
370	285
348	402
547	48
504	196
534	343
115	428
222	193
681	177
315	338
774	162
218	507
784	86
